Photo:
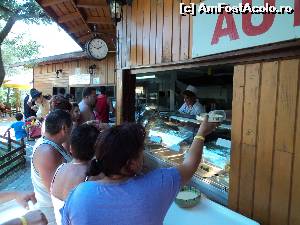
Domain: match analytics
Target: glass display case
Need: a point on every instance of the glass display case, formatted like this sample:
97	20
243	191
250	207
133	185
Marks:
169	137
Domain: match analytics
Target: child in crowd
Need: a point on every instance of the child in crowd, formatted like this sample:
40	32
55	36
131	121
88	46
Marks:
69	175
19	127
75	113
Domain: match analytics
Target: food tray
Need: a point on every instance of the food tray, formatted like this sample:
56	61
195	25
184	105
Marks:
216	116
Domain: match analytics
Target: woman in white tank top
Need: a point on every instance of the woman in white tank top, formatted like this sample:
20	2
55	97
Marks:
70	175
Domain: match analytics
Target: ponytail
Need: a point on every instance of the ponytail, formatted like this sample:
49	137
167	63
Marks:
95	168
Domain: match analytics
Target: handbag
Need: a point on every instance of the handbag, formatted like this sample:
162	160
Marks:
35	131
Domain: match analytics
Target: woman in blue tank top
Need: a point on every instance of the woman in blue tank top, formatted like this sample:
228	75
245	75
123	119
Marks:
124	196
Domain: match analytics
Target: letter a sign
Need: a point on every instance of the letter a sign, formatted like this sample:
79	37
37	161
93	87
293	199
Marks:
232	24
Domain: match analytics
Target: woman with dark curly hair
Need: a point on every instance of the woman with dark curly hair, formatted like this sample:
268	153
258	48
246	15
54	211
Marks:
59	102
124	196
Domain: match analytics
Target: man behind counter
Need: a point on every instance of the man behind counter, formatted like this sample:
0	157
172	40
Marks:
191	105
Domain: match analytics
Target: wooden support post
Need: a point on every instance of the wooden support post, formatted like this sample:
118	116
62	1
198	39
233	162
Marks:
23	143
8	141
125	96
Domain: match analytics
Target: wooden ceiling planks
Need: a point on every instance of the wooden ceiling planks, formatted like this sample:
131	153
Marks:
76	28
92	12
57	11
91	4
68	17
68	6
98	20
77	17
50	3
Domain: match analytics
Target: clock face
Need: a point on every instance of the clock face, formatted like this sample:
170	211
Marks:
97	48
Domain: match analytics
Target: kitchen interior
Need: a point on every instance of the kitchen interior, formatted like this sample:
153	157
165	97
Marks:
170	133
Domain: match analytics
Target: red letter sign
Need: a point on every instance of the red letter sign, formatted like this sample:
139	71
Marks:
230	30
297	13
267	22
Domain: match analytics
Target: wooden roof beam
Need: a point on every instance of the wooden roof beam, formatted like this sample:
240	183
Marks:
99	20
68	17
78	29
90	4
85	37
106	33
47	3
89	36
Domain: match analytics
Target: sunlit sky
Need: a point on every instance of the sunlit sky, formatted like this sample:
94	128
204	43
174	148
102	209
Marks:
52	38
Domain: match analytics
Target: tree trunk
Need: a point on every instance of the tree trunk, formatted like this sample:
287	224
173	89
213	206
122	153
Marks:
4	32
8	95
2	70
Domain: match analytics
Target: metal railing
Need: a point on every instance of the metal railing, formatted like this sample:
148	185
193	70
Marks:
13	154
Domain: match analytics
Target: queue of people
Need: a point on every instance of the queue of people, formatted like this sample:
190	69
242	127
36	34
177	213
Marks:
79	164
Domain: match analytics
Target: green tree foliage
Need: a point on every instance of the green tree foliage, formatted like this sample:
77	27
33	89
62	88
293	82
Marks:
10	12
14	51
10	97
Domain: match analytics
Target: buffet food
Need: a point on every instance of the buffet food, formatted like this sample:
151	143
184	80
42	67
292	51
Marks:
216	116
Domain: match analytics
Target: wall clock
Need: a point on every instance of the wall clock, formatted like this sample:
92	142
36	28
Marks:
96	48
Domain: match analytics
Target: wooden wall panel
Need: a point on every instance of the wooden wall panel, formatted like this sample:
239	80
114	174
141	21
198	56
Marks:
139	28
44	69
280	187
176	31
265	141
167	31
146	32
284	140
185	35
191	30
248	154
119	45
49	68
128	37
123	37
264	179
153	32
133	42
287	96
157	33
102	70
159	30
45	81
294	218
236	134
111	74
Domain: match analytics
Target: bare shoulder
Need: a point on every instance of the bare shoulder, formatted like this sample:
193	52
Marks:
45	154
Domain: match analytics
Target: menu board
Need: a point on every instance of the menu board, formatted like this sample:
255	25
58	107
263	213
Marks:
79	79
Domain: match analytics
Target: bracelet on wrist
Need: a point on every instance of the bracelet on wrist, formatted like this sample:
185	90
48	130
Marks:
199	137
23	220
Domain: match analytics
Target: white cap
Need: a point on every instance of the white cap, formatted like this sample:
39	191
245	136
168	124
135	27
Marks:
193	89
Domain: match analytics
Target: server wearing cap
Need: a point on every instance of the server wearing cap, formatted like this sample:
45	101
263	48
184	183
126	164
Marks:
191	105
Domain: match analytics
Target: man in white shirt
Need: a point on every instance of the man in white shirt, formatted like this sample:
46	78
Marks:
191	104
87	105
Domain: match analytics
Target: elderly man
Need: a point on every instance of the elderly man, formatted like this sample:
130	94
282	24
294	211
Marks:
48	154
87	105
